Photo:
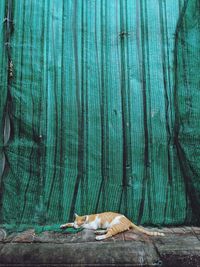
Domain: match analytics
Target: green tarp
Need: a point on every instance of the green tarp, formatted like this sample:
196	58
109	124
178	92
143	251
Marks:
103	110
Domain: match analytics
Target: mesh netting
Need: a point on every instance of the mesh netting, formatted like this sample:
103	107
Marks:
100	111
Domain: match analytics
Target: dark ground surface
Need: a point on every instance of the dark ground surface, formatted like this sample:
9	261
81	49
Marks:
179	247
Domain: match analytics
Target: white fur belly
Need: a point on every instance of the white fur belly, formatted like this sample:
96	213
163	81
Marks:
94	225
106	225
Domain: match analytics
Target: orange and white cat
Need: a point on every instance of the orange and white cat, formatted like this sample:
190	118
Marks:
112	223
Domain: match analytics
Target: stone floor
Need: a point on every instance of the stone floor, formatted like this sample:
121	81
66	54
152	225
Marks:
179	247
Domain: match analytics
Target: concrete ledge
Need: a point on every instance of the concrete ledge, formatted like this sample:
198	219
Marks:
179	247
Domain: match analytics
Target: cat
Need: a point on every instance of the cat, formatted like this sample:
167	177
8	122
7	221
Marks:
112	223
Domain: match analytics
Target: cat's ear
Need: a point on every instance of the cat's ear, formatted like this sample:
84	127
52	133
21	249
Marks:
75	215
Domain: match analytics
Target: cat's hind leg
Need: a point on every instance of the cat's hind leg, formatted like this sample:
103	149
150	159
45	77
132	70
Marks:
101	237
109	233
100	232
116	229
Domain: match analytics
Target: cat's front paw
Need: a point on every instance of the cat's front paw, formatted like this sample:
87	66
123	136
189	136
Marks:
63	226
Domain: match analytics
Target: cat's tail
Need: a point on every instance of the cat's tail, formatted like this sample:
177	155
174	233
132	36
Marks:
141	229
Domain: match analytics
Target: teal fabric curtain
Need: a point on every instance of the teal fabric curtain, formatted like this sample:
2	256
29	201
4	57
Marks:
103	108
3	85
186	100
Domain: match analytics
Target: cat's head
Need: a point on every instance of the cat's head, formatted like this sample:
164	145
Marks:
79	221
